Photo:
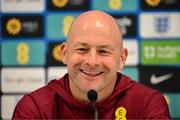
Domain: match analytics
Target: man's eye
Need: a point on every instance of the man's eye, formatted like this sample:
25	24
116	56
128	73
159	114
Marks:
81	49
103	51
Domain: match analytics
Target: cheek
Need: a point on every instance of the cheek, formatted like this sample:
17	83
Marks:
74	59
117	60
112	62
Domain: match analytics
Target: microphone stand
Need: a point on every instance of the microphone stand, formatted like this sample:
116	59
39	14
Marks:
95	110
92	96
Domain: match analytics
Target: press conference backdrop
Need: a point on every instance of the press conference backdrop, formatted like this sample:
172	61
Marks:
31	31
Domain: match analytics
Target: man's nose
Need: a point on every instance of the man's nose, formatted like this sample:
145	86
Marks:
92	59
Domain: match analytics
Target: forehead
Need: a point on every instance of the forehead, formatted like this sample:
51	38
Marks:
101	43
93	37
98	32
87	44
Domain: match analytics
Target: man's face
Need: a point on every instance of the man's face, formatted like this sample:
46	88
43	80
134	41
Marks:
92	60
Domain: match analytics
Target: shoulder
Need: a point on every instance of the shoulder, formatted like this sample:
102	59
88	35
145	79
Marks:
153	104
135	88
42	93
144	93
143	89
141	93
31	105
149	103
44	96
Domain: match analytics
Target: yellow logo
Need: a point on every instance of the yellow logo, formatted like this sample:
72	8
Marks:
120	113
60	3
23	53
57	53
153	2
167	99
13	26
67	21
115	4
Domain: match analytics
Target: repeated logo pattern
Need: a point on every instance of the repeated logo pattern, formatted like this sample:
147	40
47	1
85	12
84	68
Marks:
31	32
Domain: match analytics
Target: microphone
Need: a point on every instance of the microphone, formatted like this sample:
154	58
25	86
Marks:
92	96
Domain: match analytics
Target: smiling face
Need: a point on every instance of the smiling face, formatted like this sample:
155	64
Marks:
93	53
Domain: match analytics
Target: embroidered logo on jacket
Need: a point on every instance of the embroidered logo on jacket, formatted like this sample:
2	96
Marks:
120	113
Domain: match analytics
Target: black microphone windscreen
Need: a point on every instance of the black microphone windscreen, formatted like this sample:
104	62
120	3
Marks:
92	95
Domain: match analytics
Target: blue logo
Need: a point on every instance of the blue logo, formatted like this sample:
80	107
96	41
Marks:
162	24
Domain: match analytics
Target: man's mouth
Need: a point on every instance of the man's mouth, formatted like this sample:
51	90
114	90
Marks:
91	74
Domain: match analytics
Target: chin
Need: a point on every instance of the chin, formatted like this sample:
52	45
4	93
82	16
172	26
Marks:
96	88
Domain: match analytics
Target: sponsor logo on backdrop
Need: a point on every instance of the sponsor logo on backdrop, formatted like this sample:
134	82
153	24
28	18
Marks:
127	24
160	25
14	26
68	5
22	53
22	26
153	2
8	103
115	5
59	3
22	6
160	52
67	21
77	2
54	54
55	72
160	4
164	79
156	80
132	46
58	25
22	80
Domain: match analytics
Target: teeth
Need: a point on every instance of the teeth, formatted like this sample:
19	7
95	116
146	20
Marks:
91	73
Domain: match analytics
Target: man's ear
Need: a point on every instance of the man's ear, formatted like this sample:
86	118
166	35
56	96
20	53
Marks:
63	49
123	57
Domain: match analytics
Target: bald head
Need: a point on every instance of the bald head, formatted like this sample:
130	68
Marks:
95	22
93	54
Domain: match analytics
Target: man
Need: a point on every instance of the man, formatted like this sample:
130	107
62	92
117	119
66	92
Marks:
93	54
